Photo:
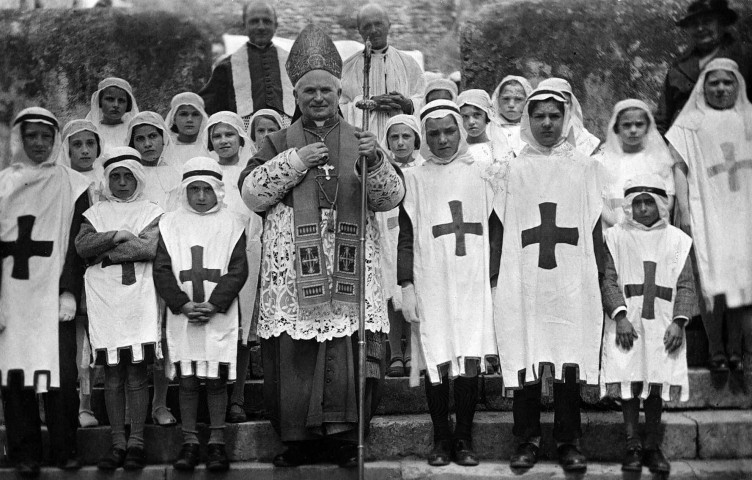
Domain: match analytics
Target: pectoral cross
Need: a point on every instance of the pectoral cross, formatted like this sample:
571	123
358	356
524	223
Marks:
326	168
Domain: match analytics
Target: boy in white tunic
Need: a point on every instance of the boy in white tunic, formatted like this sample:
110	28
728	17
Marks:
444	271
200	268
112	107
119	241
648	291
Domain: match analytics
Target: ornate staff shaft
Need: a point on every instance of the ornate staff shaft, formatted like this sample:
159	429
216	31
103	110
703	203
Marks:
362	260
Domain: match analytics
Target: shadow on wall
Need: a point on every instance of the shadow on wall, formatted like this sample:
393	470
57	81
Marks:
609	50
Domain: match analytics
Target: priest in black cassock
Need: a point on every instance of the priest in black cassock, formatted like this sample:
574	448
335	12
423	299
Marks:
305	180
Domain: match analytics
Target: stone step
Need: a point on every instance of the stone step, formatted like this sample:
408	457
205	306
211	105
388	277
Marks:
707	390
719	434
414	469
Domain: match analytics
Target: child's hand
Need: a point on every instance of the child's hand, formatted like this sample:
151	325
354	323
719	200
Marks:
123	236
625	332
673	338
194	316
66	307
206	309
409	303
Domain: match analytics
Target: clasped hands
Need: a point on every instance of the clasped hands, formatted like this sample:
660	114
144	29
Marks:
385	103
199	312
317	154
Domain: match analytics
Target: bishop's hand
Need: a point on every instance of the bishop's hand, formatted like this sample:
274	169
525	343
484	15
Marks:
314	154
367	147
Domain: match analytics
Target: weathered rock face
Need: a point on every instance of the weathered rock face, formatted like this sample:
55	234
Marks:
56	58
608	49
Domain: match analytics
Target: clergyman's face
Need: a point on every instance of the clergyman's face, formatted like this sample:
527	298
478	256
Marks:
38	140
721	89
260	24
546	123
374	25
201	196
317	95
82	149
443	136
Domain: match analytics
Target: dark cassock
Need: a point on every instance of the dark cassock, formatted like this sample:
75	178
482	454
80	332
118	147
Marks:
305	182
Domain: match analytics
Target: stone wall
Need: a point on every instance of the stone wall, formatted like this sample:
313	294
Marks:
608	49
55	58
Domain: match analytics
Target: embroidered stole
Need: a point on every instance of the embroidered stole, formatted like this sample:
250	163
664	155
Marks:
313	285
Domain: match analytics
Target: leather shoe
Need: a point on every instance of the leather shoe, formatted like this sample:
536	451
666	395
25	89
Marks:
571	459
216	458
27	469
347	456
292	457
236	414
735	363
464	454
525	456
656	461
69	464
441	454
113	460
135	459
632	460
719	364
188	458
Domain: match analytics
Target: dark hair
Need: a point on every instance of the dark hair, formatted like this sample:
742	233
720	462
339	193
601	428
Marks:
534	104
211	129
253	125
618	117
133	132
96	137
416	143
26	124
129	100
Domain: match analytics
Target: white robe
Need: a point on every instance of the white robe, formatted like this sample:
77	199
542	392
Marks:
122	315
548	304
201	348
666	249
41	199
451	273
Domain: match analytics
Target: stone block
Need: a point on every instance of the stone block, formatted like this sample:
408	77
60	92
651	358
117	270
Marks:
723	434
56	58
609	50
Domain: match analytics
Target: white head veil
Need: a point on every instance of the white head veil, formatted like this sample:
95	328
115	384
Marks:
441	109
95	113
77	126
652	185
477	98
409	121
442	84
695	108
202	169
130	159
247	149
264	112
189	99
526	132
497	116
33	115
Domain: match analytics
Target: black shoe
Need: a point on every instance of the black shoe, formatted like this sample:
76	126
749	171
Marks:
463	453
719	364
525	456
113	460
656	461
632	460
735	363
216	458
347	456
70	464
292	457
571	459
441	454
188	458
135	459
27	469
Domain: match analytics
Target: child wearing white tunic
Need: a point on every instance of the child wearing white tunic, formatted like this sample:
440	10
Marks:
112	108
475	108
228	140
648	291
119	241
186	121
82	150
508	102
199	271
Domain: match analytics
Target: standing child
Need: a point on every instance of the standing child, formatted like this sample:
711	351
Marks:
82	149
262	123
475	108
648	291
228	139
200	268
186	121
112	107
119	239
41	204
508	101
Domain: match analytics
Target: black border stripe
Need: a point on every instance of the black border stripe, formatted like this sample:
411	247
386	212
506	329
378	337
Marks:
657	191
197	173
121	158
451	108
548	92
36	116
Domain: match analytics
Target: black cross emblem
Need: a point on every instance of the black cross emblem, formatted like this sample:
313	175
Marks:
731	165
24	248
548	235
198	274
649	291
458	228
129	270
